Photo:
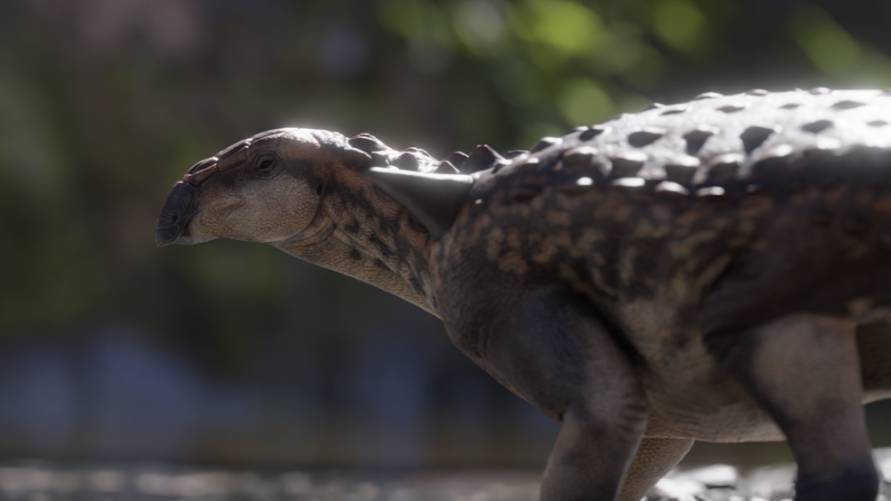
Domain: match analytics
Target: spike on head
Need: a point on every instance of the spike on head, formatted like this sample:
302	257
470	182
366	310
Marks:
433	199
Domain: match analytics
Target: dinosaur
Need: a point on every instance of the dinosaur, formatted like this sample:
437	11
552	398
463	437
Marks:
715	270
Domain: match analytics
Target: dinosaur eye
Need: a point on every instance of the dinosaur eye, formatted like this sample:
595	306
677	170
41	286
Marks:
265	163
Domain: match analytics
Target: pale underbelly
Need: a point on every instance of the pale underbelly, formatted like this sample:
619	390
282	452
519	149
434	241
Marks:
706	404
691	396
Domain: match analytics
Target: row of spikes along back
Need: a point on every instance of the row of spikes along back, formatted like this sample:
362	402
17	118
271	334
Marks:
417	159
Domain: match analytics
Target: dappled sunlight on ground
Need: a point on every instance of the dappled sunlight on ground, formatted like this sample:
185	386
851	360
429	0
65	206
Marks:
38	481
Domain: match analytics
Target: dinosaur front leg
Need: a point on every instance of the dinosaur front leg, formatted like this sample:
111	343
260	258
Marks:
551	349
804	370
589	458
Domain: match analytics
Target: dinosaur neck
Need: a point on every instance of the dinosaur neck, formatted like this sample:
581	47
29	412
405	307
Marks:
363	233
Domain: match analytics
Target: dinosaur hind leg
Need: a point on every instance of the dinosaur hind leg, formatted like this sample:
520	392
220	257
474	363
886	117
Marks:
873	346
805	372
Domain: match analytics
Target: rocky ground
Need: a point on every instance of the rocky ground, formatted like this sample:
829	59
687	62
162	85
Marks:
45	482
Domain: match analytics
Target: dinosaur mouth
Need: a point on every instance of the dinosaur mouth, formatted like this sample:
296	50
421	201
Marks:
177	213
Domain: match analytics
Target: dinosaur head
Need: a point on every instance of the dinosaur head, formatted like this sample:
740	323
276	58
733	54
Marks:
266	188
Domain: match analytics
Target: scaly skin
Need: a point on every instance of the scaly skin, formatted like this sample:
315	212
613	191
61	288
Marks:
713	270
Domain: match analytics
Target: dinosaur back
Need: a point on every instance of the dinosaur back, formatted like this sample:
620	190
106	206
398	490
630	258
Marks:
670	205
716	144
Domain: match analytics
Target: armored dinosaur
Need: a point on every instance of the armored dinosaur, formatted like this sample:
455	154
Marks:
715	270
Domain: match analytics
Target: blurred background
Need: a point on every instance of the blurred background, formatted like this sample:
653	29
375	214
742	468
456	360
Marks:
234	354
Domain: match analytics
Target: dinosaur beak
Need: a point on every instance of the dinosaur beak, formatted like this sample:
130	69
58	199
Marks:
178	211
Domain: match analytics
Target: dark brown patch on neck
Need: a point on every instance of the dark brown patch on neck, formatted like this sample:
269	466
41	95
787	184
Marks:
352	227
378	228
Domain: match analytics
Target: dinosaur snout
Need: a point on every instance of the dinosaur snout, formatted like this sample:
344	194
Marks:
176	214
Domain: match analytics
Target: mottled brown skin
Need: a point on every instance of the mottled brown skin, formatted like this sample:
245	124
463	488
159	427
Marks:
713	270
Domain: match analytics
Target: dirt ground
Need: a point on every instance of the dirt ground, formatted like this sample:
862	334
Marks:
41	481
